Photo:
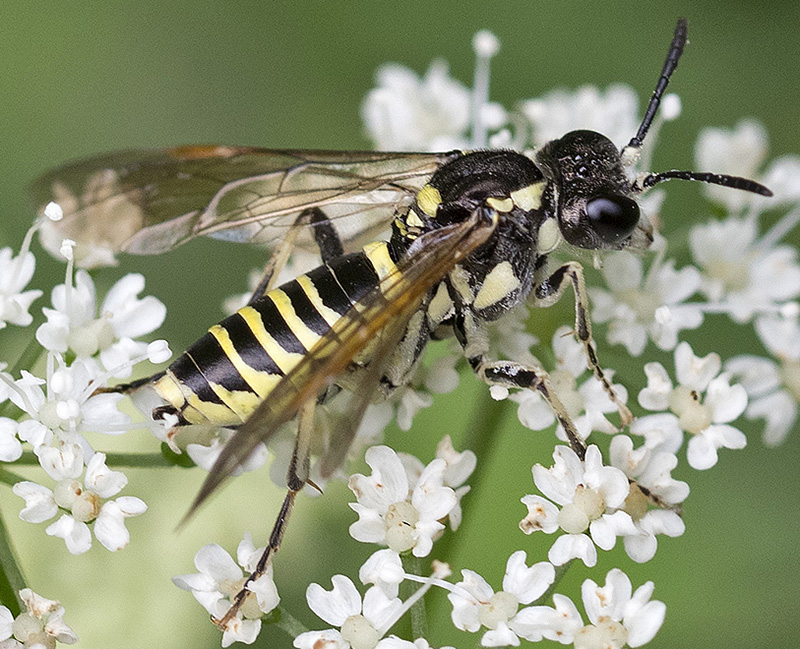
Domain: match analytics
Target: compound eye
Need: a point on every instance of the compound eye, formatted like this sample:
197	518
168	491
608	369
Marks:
613	218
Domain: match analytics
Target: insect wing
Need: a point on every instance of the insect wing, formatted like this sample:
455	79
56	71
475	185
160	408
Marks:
151	201
429	259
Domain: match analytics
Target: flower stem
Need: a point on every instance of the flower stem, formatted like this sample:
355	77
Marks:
129	460
289	623
419	621
11	577
548	594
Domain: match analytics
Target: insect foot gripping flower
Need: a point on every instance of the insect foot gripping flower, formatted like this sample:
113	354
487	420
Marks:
396	513
220	578
591	497
476	605
617	617
40	625
706	420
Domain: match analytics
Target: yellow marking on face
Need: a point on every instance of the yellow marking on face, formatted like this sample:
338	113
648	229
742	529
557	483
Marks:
459	278
262	382
440	305
286	361
530	197
429	200
329	315
306	336
413	220
500	204
378	255
549	237
499	283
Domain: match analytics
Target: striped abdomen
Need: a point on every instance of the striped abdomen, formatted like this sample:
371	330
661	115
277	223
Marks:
225	375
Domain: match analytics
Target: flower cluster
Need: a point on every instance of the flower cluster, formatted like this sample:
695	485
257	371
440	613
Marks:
62	408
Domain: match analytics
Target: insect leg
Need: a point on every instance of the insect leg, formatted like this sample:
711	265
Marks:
550	291
472	337
296	479
127	387
325	236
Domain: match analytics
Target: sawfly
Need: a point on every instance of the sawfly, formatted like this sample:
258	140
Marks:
471	232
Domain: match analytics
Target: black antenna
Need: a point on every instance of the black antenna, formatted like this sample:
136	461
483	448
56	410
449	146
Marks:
724	180
674	54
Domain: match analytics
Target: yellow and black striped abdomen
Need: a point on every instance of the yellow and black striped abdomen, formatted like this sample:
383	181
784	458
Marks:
223	377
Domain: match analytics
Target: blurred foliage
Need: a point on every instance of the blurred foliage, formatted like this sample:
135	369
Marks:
79	78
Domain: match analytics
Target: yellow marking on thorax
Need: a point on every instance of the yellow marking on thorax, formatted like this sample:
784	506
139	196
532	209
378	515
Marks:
439	305
306	336
500	204
548	237
329	315
459	278
530	197
412	218
429	200
499	283
378	255
284	360
261	382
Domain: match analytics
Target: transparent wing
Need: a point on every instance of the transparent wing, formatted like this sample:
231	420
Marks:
431	257
150	201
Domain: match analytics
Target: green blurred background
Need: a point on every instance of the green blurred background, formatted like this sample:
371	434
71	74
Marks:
78	78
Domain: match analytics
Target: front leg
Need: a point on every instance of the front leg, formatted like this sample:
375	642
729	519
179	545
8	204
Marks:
471	334
550	291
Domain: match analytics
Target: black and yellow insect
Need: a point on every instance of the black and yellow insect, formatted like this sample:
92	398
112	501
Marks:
470	237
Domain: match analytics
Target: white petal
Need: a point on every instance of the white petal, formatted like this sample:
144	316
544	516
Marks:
527	583
328	639
384	569
39	502
109	527
336	605
76	535
573	546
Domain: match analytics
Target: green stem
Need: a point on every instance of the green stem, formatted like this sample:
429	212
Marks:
9	477
11	577
480	439
290	624
548	594
419	620
129	460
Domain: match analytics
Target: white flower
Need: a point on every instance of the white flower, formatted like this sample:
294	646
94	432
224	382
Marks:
651	470
591	497
395	513
706	419
639	306
409	113
613	112
587	403
361	624
10	446
67	407
83	501
768	399
40	625
741	151
459	467
746	275
219	580
475	604
617	617
15	273
76	324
